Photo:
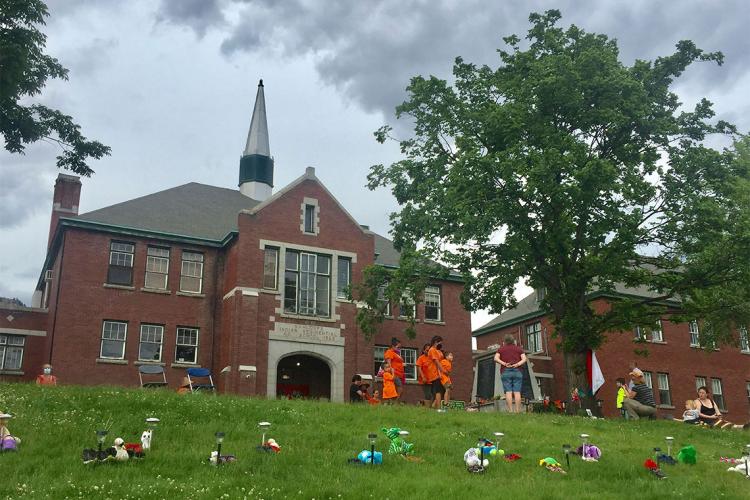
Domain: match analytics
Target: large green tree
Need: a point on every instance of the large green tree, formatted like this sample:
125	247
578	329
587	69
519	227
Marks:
24	71
566	168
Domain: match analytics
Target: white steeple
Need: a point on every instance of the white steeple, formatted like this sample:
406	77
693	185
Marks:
256	164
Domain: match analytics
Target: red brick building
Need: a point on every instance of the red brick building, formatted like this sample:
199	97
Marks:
670	355
248	282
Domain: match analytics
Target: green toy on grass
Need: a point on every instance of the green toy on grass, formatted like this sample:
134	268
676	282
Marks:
398	445
687	455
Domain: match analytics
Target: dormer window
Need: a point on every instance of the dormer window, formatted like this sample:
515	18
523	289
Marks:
310	216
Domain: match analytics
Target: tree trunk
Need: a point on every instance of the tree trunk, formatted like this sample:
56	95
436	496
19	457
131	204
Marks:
576	378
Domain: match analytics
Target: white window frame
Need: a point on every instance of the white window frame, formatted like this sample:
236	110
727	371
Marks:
378	357
695	339
382	299
662	379
121	255
434	292
747	388
11	343
648	379
194	263
408	354
157	264
718	396
309	218
744	341
124	339
347	269
308	284
655	334
154	335
406	302
178	344
534	330
700	382
266	272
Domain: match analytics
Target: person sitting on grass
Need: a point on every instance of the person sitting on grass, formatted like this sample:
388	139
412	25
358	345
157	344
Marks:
691	415
389	386
640	401
375	398
184	387
356	391
709	413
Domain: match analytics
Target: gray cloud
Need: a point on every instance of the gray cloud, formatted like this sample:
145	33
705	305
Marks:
25	183
369	50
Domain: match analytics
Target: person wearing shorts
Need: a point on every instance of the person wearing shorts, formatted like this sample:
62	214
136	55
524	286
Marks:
422	366
510	357
435	354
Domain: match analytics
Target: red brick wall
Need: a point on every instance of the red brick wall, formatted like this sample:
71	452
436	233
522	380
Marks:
34	353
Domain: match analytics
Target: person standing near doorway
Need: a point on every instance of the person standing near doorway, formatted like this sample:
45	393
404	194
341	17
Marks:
510	357
393	355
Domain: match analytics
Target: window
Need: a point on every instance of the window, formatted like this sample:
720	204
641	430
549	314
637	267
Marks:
157	268
665	397
747	388
407	353
694	340
270	268
187	345
700	382
432	306
191	272
406	306
647	379
383	303
114	334
744	344
120	263
307	284
344	276
541	294
310	219
379	357
149	348
11	351
717	393
534	337
653	334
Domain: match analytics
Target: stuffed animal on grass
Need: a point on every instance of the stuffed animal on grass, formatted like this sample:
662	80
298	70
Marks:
121	454
146	439
740	465
551	465
398	445
215	459
8	442
366	457
473	462
688	455
654	468
589	453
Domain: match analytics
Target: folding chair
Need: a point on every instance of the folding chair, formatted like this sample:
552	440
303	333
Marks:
152	371
203	374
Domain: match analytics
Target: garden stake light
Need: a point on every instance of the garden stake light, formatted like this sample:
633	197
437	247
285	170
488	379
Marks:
585	441
100	437
264	426
151	423
219	440
747	459
566	451
372	437
670	441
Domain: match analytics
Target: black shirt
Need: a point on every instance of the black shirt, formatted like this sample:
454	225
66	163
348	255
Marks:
354	397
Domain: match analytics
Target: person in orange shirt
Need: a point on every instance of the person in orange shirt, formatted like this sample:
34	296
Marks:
435	370
421	363
46	378
389	386
393	355
447	365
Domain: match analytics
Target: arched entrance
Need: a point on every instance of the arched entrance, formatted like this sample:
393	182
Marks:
302	375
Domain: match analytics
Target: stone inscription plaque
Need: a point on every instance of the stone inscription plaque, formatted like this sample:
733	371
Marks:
306	333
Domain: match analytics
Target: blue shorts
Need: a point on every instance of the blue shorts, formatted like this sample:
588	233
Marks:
512	379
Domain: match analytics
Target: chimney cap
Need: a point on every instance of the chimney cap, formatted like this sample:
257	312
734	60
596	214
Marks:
310	172
68	178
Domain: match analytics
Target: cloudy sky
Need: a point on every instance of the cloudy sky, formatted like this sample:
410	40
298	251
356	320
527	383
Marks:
170	85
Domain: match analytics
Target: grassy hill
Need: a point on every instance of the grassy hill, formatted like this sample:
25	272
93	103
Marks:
318	438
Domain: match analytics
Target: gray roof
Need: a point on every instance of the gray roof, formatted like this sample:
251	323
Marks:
528	307
193	209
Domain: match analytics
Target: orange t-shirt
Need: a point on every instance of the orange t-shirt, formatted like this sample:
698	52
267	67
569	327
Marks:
389	386
397	362
447	366
46	380
434	354
422	362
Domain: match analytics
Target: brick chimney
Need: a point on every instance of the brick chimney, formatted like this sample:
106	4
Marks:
64	201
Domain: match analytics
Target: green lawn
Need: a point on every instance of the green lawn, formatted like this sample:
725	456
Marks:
318	438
